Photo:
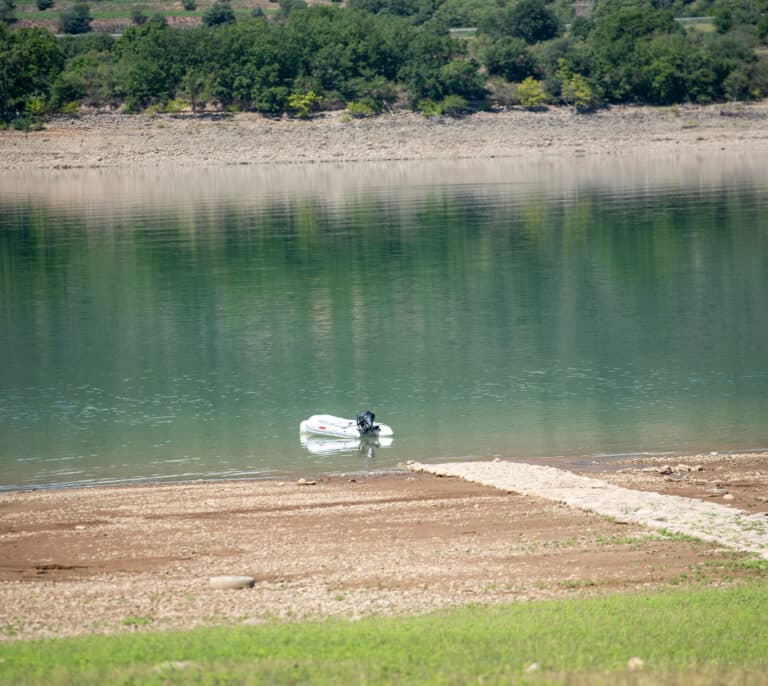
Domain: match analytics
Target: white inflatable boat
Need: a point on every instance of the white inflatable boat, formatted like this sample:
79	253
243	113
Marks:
337	427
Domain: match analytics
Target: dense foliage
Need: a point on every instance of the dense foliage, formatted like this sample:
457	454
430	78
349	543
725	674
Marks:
378	53
75	19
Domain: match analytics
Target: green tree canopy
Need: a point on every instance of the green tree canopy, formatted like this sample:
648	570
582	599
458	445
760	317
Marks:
30	60
530	20
76	19
7	11
220	12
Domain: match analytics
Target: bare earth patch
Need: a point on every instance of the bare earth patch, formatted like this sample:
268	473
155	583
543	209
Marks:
141	558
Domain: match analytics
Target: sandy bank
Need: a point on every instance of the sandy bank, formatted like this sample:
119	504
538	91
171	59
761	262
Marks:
109	140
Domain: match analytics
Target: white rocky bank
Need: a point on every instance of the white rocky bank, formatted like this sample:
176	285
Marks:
707	521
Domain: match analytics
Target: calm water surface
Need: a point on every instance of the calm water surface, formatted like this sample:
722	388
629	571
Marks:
179	324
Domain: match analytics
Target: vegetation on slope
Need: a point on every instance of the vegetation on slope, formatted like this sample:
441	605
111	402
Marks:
376	54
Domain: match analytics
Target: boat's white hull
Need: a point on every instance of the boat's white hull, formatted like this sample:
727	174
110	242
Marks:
337	427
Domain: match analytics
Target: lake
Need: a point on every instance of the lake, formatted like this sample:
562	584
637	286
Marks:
174	324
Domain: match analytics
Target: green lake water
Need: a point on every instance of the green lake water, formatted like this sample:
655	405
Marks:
177	324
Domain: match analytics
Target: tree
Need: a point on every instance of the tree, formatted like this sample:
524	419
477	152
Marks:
197	87
138	16
288	7
7	11
220	12
533	21
78	45
510	58
43	5
723	19
151	61
76	19
461	77
417	11
88	77
530	20
30	60
617	43
736	84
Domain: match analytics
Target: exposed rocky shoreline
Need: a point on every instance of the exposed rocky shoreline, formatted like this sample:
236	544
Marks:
119	140
122	559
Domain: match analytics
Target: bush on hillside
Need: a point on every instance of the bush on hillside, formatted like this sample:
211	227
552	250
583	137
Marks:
76	19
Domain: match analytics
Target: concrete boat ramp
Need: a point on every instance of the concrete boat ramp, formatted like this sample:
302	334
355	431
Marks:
707	521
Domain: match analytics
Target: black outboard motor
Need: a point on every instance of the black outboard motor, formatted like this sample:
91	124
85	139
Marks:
365	424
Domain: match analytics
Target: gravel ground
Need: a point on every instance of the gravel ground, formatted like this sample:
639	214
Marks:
140	558
111	139
705	520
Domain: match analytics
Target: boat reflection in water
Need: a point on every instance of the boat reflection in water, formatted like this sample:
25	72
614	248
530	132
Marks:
364	447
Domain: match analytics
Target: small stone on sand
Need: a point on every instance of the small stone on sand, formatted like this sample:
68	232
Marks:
228	582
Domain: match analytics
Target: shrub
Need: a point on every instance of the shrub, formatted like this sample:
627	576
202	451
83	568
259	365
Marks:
189	5
577	92
34	107
71	46
574	89
43	5
303	103
288	7
428	107
220	12
176	106
531	94
762	28
509	57
21	124
70	108
581	27
77	19
453	105
736	84
138	16
7	11
359	109
530	20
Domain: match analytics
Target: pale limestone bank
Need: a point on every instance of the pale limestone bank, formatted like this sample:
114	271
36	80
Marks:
120	140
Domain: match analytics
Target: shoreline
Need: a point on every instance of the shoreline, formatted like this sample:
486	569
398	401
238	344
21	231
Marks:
142	558
109	140
606	466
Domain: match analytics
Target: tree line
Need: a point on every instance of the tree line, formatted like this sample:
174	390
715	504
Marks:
377	54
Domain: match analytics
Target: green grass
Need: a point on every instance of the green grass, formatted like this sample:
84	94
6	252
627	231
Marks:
699	636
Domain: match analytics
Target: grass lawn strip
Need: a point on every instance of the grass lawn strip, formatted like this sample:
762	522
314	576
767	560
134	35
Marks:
707	521
703	635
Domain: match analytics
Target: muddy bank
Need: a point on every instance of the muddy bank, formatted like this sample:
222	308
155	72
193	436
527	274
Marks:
112	140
